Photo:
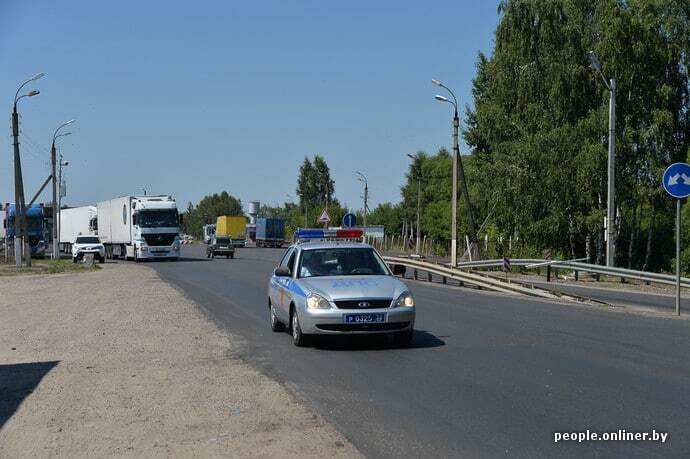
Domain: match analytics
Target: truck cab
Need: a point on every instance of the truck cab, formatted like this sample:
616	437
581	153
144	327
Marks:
140	227
36	227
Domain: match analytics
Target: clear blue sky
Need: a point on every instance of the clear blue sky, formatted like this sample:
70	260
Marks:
191	98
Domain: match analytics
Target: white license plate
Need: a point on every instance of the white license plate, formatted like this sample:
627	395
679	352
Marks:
370	318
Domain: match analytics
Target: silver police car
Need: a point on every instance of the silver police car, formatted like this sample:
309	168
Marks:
330	288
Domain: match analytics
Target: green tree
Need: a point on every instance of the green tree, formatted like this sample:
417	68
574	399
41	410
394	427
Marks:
539	123
208	210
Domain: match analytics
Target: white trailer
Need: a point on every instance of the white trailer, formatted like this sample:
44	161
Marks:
140	227
76	221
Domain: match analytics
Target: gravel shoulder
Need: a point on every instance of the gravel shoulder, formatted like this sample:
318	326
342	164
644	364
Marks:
88	370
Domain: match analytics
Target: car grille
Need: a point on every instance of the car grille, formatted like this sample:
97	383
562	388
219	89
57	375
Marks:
355	304
159	239
390	326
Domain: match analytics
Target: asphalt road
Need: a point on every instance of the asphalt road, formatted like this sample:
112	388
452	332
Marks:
487	375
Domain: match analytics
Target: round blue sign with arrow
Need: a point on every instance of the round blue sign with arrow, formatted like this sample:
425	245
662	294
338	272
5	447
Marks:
676	180
349	220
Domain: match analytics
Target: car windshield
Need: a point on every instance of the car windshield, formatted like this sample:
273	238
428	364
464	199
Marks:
88	240
341	262
222	240
158	218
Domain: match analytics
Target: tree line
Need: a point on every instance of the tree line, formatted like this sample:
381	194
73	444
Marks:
538	127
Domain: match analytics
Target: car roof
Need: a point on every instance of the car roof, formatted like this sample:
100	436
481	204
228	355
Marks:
333	244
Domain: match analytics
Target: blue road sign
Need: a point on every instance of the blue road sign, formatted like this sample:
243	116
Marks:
676	180
349	220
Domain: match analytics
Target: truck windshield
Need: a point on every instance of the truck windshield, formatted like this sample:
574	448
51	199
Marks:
157	218
87	240
341	262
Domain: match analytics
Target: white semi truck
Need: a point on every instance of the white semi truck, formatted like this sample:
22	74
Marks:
76	221
140	227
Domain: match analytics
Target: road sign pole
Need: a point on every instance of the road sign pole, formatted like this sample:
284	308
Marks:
677	256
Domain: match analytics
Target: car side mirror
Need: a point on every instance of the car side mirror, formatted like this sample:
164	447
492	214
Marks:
399	270
282	271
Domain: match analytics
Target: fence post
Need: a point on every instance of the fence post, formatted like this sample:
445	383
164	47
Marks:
414	274
548	273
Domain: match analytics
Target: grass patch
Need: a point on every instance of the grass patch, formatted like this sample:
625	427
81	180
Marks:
46	267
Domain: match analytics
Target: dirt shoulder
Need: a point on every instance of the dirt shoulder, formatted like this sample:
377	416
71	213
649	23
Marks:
87	370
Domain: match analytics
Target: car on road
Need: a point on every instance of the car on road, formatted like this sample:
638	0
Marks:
83	245
220	246
337	287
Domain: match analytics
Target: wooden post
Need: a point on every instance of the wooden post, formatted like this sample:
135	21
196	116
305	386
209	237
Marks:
548	273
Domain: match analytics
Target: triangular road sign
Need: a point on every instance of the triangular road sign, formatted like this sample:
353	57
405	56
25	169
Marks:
324	217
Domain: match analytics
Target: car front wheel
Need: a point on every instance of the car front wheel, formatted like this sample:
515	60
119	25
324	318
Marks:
298	338
276	325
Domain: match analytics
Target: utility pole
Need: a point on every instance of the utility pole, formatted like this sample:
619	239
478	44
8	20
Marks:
56	208
362	178
61	193
611	192
53	161
18	192
611	169
20	221
419	206
457	163
418	173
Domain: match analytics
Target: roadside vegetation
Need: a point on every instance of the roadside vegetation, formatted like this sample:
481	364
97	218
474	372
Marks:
46	267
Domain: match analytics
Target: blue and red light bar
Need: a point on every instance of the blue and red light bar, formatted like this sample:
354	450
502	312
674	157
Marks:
319	233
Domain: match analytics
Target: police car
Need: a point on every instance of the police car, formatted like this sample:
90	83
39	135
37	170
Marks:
329	284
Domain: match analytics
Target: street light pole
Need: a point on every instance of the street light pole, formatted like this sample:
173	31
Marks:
20	221
457	164
56	210
363	179
611	170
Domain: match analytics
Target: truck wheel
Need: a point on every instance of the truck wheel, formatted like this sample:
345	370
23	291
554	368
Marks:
208	254
74	259
227	257
232	255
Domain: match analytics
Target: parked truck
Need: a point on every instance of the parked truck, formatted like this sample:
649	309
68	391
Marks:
140	227
209	231
234	227
270	232
36	227
77	221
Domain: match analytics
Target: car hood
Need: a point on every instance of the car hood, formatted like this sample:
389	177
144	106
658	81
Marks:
354	287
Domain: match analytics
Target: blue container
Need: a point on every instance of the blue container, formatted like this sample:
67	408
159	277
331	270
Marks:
270	232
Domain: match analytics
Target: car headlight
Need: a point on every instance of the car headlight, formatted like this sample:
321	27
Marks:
315	301
405	300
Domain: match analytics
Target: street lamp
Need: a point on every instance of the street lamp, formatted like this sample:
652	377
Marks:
363	179
20	221
457	162
610	210
56	210
419	201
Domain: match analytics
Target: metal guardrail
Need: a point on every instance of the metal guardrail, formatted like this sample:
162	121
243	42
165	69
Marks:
470	278
644	276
